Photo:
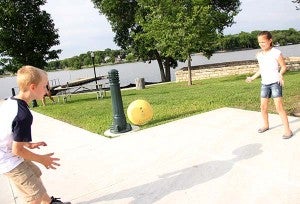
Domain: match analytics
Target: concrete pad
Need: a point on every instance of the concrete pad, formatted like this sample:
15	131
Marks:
214	157
7	195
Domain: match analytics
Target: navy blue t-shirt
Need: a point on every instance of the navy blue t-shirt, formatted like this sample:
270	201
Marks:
21	125
15	125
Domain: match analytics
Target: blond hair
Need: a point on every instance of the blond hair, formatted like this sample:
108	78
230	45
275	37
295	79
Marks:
28	75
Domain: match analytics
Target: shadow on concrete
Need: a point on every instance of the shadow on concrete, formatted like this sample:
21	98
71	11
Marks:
182	179
280	125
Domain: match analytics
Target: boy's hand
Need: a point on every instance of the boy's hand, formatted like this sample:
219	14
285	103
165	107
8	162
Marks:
36	145
49	162
21	149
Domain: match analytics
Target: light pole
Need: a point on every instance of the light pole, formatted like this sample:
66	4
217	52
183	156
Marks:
93	60
119	124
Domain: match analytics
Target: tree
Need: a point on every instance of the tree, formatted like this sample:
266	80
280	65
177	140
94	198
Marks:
122	14
297	2
26	34
147	27
245	40
182	27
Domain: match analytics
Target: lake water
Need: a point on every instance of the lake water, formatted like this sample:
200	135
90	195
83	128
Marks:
130	71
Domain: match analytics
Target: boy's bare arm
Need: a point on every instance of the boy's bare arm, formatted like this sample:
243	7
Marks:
20	149
37	145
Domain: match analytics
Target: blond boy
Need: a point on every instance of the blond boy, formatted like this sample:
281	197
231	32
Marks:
16	159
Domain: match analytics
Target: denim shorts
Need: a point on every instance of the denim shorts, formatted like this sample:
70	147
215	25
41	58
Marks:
273	90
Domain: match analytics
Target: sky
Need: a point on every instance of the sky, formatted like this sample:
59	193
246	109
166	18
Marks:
82	28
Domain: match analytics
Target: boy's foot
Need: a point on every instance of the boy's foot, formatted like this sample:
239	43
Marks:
287	136
58	201
261	130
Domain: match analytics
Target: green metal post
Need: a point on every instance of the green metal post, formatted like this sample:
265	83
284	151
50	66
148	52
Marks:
13	91
119	124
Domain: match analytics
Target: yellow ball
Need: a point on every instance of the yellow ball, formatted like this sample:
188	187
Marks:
139	112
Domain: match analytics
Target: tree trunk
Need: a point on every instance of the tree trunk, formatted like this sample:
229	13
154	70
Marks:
161	67
167	69
189	71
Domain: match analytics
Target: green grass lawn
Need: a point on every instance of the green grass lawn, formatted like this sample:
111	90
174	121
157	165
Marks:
171	101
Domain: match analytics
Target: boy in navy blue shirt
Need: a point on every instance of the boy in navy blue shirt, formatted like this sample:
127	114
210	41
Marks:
16	159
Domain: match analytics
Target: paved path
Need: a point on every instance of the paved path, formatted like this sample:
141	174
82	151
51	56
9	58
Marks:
211	158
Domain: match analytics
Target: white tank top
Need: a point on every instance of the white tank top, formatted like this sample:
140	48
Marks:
268	65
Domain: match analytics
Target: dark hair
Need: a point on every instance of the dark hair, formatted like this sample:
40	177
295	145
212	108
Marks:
267	34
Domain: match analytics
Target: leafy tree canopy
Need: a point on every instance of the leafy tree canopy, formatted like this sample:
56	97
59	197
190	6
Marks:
179	28
26	34
297	2
167	30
